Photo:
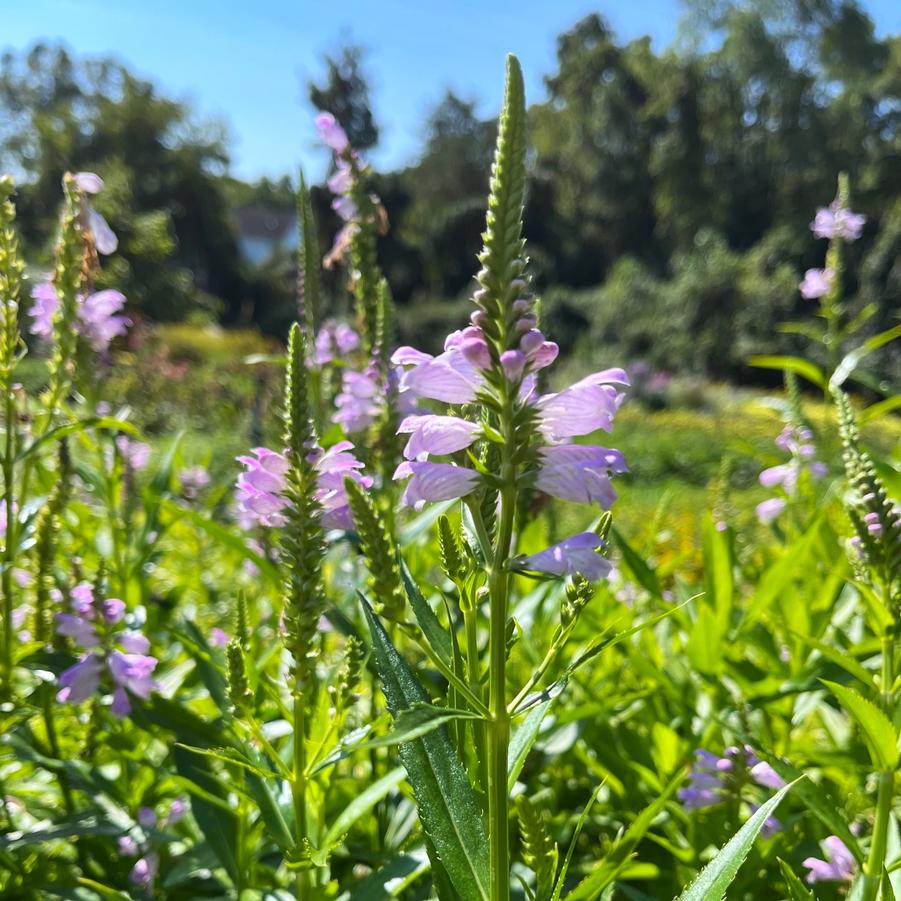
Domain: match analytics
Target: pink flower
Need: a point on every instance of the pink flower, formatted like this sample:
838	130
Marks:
434	482
261	486
88	182
770	510
99	320
358	403
331	132
218	637
332	468
817	283
131	674
133	642
143	873
177	810
839	865
82	599
193	480
80	630
105	239
113	610
449	377
585	407
577	554
835	221
431	434
335	339
580	473
43	309
136	454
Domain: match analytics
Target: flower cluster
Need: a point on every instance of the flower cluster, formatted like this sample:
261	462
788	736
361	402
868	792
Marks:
261	487
96	630
714	780
835	221
797	441
462	375
334	340
99	319
839	865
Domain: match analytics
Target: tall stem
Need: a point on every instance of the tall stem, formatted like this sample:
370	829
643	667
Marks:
886	792
299	788
10	539
499	723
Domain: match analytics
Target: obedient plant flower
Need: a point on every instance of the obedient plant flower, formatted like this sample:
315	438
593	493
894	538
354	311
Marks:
104	238
714	780
817	283
334	340
261	487
835	221
797	441
359	402
577	554
193	480
839	865
135	454
332	133
98	318
121	653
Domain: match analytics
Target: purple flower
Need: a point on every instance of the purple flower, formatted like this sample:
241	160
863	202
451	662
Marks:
128	847
431	434
580	473
136	454
513	362
176	811
331	132
113	610
133	642
82	599
80	630
146	817
340	181
358	403
143	873
577	554
770	510
88	182
817	283
434	482
839	865
340	245
261	486
835	221
332	468
449	377
345	208
218	637
105	239
763	774
80	681
193	480
584	407
335	339
132	674
43	309
100	322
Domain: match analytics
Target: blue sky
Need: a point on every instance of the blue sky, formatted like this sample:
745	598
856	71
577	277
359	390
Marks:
248	63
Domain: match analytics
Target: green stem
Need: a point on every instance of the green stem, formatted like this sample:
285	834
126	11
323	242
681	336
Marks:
886	792
474	678
499	723
299	789
10	540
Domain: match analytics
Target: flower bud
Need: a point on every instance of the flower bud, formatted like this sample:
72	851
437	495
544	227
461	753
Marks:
475	350
513	363
526	324
478	317
522	306
531	341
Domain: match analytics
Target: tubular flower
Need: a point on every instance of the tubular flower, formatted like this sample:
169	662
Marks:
797	441
580	473
817	283
359	401
576	554
434	482
835	221
839	865
261	487
334	340
431	434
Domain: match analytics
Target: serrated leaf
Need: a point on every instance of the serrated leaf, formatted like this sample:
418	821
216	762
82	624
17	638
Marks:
435	633
877	730
718	875
797	891
447	805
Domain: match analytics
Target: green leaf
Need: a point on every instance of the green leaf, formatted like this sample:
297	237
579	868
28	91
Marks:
391	880
877	730
435	633
705	643
797	891
719	582
852	359
717	876
883	407
106	423
524	737
361	804
620	854
848	663
447	806
561	876
635	563
802	367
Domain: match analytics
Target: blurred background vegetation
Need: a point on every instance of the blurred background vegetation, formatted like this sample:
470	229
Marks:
669	192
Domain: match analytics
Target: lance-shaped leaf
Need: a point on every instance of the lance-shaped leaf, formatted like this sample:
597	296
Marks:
447	805
878	732
717	876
